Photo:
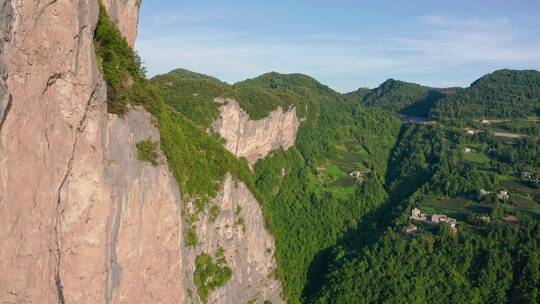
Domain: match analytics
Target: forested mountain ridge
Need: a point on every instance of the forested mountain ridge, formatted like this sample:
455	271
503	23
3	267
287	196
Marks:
404	165
117	188
308	185
401	97
501	94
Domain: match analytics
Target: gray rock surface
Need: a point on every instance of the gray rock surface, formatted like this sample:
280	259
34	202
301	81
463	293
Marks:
82	220
254	139
249	249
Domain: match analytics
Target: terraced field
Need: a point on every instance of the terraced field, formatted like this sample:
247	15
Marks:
336	177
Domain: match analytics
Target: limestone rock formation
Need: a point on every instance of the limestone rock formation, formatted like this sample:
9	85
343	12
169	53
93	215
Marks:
125	13
249	250
144	227
82	220
254	139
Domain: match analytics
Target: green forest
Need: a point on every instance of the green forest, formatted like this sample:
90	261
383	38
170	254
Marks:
342	241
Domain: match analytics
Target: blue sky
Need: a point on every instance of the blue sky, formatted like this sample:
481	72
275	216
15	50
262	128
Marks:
344	44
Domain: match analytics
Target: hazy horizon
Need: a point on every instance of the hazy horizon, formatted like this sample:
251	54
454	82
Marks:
344	46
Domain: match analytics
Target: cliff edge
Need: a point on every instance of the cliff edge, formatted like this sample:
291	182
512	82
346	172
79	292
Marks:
82	219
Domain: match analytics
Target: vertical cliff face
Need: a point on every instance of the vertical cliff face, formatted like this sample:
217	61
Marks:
125	13
144	226
82	220
254	139
237	227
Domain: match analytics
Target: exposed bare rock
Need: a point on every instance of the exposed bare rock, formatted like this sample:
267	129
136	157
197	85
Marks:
126	15
249	249
254	139
81	219
6	16
144	227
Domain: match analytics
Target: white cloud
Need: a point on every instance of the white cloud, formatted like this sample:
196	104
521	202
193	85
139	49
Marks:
435	19
347	60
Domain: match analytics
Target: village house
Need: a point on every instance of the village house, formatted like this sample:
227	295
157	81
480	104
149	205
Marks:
358	175
485	122
485	218
417	215
434	219
443	218
467	150
484	192
470	132
503	195
527	175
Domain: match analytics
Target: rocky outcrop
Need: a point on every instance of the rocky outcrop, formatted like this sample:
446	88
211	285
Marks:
81	219
144	227
239	229
254	139
125	13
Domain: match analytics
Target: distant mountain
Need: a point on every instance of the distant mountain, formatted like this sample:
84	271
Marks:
501	94
401	97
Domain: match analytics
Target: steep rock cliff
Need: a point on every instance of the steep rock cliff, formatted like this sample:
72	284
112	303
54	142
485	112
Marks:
82	220
254	139
238	228
125	13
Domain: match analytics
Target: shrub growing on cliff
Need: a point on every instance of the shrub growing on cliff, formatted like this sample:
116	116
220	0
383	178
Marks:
122	69
210	275
147	151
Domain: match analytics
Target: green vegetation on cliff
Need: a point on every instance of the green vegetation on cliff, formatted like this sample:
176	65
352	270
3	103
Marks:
192	94
338	134
197	159
337	237
147	151
122	69
210	275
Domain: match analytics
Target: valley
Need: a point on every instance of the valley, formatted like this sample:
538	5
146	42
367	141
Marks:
183	188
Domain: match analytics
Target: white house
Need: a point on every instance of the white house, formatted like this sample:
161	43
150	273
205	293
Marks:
416	214
434	219
484	192
358	175
503	195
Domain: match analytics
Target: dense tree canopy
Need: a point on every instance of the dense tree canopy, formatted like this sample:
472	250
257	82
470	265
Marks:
502	94
338	239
